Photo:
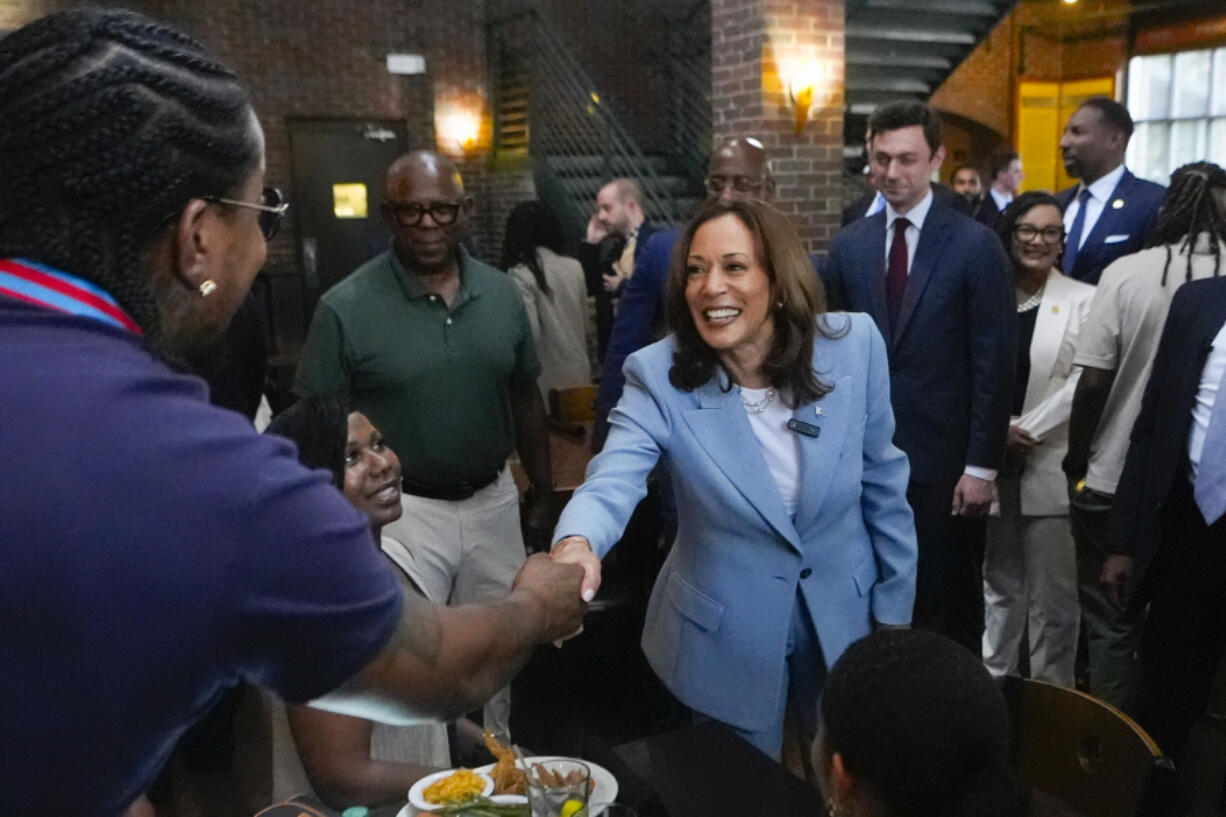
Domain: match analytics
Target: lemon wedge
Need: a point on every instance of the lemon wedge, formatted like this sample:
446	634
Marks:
571	808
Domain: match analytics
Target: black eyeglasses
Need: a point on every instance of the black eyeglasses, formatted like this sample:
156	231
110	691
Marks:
741	184
1028	233
443	213
272	209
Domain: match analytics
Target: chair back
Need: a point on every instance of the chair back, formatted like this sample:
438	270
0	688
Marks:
576	404
1083	751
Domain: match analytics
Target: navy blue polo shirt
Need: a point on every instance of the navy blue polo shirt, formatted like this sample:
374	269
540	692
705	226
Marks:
154	550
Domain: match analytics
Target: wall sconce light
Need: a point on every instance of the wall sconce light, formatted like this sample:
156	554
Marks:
1070	2
456	129
801	88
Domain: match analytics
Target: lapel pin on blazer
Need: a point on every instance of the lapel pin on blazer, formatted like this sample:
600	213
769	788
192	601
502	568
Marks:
1055	310
1118	204
821	412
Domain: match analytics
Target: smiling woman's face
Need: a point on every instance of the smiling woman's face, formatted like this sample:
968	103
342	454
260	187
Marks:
372	472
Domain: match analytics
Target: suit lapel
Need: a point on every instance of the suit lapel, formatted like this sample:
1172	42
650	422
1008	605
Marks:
932	238
1110	216
722	430
1049	326
876	272
819	455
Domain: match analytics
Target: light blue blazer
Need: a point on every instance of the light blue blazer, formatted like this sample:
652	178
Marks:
717	622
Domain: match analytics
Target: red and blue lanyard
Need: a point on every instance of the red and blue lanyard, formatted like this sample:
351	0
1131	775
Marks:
45	286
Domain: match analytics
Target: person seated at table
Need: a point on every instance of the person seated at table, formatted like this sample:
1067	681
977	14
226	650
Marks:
794	537
912	725
346	760
554	293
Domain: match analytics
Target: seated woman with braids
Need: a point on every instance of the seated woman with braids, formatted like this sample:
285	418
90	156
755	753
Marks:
181	553
910	724
348	760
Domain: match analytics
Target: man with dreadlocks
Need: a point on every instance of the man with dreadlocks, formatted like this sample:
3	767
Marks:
1167	537
155	550
1116	350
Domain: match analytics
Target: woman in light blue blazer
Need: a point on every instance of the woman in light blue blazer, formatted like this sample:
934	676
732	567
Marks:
773	421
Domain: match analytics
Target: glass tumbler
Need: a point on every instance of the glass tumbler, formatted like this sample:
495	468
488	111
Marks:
558	788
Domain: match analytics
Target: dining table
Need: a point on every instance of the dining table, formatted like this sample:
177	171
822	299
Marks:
703	770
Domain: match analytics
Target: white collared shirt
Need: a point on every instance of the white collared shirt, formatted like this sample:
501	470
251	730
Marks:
876	205
915	216
1100	192
1002	200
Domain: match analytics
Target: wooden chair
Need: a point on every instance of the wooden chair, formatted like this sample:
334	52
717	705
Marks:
576	404
1084	752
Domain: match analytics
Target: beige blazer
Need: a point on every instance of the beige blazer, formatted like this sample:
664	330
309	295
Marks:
1049	392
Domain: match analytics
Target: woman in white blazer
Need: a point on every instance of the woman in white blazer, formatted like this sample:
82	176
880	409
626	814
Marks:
1030	571
773	421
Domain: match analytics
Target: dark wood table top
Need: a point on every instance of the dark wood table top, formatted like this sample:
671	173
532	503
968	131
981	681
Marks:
705	770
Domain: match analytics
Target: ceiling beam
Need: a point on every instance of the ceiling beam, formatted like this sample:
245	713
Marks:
970	8
909	35
876	58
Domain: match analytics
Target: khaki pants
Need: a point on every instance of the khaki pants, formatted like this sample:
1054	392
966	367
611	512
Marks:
1029	583
467	551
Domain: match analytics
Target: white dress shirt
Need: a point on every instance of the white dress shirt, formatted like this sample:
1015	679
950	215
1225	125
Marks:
1100	192
1206	396
1003	200
915	218
876	205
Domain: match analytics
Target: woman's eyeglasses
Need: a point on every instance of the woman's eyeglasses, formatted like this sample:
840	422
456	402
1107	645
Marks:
272	209
442	212
1028	233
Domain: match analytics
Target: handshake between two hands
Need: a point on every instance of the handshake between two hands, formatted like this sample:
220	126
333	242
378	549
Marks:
562	591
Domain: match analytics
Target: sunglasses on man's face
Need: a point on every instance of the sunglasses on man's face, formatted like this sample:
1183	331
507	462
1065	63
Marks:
272	209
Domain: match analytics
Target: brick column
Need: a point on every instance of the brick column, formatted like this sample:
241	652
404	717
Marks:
756	47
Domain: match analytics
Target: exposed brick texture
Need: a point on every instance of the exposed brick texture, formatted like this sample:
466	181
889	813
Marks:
1038	40
756	46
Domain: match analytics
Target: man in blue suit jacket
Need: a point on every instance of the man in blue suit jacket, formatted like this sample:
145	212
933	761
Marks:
1111	212
948	314
739	169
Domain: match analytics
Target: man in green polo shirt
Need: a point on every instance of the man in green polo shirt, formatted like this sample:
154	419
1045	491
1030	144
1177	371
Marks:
436	349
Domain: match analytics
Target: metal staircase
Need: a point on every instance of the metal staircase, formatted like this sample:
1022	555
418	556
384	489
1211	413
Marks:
899	49
547	106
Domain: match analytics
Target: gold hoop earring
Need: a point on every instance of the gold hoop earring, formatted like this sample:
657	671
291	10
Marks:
208	287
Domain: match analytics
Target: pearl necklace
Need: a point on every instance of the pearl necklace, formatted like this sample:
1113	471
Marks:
1031	302
757	406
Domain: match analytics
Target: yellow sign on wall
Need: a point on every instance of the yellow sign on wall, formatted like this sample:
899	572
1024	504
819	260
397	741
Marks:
1043	108
349	200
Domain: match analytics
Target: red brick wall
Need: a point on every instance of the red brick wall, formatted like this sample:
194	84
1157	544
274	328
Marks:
1038	40
755	46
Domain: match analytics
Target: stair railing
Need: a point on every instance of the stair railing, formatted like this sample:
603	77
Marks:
689	68
568	117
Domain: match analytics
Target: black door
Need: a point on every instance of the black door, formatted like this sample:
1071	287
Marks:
337	173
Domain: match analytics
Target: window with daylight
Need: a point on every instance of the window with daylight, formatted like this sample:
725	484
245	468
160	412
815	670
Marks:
1178	102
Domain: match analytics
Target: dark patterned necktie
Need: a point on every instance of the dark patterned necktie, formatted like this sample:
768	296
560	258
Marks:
896	270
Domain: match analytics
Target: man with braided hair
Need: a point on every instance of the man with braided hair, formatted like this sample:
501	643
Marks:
1167	538
179	552
1116	350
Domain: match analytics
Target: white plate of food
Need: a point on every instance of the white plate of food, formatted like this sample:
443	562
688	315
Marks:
604	785
436	789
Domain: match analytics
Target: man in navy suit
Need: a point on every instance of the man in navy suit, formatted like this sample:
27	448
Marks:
738	169
939	287
1004	178
1110	212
